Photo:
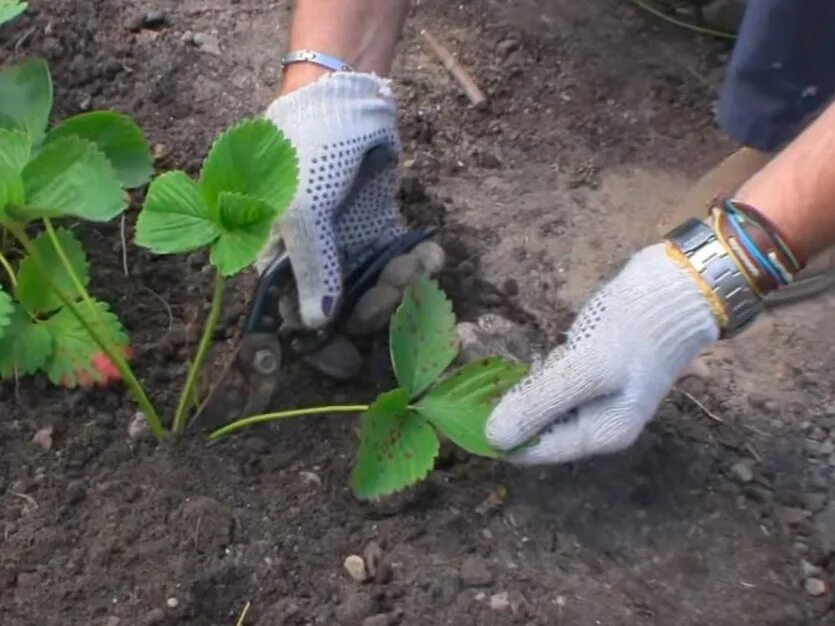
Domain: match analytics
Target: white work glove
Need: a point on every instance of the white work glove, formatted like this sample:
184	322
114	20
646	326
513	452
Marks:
344	130
594	394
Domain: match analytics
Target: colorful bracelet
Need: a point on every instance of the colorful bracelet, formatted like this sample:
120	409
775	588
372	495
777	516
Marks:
763	256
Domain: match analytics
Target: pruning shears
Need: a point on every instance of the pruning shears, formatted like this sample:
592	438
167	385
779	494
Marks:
268	342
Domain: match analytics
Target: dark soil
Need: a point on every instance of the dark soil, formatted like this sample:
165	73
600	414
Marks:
105	530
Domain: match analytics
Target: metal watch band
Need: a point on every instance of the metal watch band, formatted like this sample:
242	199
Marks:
697	241
317	58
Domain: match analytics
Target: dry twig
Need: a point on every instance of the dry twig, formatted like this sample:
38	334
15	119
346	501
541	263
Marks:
467	82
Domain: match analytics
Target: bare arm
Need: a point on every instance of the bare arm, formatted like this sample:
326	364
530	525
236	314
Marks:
363	33
796	190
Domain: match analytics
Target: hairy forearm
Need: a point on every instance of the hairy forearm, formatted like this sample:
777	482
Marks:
796	189
363	33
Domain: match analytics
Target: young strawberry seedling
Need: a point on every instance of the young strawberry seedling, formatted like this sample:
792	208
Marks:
398	438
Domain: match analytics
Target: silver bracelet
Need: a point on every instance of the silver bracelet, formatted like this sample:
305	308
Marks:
317	58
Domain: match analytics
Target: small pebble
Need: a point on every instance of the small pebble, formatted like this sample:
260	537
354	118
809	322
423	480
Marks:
112	621
43	438
500	601
172	603
743	472
809	569
431	256
814	587
812	446
355	566
154	617
827	448
138	427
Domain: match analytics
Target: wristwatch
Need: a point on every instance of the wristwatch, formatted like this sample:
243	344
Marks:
718	268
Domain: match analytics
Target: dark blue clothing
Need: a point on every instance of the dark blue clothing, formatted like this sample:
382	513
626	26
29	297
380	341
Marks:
781	71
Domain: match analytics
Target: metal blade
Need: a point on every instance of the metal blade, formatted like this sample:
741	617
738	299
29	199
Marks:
247	385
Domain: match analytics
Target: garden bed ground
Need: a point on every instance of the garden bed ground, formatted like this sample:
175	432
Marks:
597	119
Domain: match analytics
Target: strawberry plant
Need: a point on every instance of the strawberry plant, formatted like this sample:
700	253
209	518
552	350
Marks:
79	168
399	430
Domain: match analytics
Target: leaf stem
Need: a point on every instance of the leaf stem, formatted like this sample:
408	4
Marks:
187	394
9	271
269	417
118	359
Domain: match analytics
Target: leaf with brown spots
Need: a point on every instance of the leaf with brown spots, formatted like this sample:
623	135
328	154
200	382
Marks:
460	405
422	336
397	447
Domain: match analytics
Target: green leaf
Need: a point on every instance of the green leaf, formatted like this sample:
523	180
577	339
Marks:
32	290
174	218
118	137
26	98
72	360
245	224
460	405
10	9
422	336
11	188
252	158
6	310
15	149
26	346
397	448
71	176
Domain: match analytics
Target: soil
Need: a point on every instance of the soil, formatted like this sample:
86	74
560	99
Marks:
597	119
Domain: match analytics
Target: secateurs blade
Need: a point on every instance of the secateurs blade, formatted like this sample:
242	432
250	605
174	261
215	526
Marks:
268	341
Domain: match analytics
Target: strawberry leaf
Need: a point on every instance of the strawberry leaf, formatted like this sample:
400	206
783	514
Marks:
460	405
71	176
32	290
15	149
174	218
6	311
10	9
72	363
26	98
252	158
118	137
26	346
246	224
397	447
11	188
422	336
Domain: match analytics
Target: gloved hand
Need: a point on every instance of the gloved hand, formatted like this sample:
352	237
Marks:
627	347
344	130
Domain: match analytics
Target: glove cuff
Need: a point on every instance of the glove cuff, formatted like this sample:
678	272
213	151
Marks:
336	100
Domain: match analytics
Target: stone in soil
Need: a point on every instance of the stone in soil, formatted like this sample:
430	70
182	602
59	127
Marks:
743	472
475	572
814	587
381	619
43	438
500	601
355	566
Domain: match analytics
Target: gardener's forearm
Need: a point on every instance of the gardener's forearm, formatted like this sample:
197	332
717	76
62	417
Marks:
796	190
363	33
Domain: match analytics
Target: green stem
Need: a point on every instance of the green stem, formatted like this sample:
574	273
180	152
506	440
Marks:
269	417
62	255
117	359
187	394
9	271
649	8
